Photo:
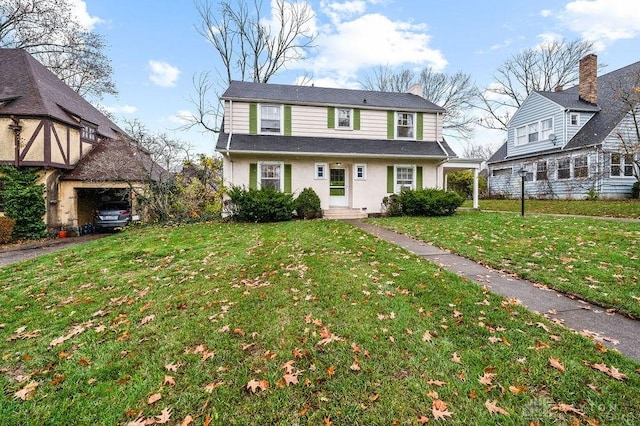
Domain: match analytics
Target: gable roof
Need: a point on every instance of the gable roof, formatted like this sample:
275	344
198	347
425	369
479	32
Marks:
29	89
311	95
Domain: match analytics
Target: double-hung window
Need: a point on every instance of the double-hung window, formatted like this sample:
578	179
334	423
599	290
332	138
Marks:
271	119
405	177
541	170
344	117
564	168
521	135
405	125
270	176
580	167
532	130
621	164
546	128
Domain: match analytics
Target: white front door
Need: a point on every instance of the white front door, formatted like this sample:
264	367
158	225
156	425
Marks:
338	188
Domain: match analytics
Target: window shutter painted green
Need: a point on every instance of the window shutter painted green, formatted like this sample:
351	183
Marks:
390	125
419	177
356	119
419	127
287	120
331	118
390	182
253	176
253	119
287	178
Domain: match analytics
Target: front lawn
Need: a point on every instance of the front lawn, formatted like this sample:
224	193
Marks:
604	208
307	322
595	259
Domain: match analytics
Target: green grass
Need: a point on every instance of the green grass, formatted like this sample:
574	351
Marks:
223	304
594	259
608	208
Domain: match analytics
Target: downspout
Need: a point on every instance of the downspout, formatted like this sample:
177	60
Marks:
17	128
229	140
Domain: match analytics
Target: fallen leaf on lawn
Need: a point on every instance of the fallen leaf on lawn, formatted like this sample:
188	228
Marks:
492	406
212	386
154	398
609	371
256	385
186	421
433	395
173	367
331	371
327	337
436	382
290	379
147	319
487	378
455	358
439	409
423	420
518	389
168	380
356	364
567	408
164	417
555	363
427	337
288	366
27	392
78	329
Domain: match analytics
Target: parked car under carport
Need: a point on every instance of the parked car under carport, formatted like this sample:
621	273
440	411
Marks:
111	215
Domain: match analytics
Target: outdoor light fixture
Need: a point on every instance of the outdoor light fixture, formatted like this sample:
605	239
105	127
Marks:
523	173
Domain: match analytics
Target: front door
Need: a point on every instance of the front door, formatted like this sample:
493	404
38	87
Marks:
338	187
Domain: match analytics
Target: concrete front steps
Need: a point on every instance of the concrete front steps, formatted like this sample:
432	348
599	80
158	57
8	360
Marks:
341	213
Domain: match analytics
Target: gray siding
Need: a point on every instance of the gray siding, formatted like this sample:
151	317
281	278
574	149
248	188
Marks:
534	109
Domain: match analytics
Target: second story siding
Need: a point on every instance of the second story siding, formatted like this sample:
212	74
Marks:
530	128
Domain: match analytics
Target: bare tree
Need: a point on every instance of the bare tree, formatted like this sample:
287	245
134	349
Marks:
251	47
48	30
475	150
542	68
453	92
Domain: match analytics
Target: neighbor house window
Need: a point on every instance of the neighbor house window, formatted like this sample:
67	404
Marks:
321	171
621	164
270	119
541	170
361	172
532	130
88	132
564	168
405	177
344	116
580	167
528	177
405	124
270	176
546	128
574	119
521	135
502	172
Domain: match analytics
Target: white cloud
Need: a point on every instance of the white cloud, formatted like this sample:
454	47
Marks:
163	74
120	109
79	11
545	13
602	21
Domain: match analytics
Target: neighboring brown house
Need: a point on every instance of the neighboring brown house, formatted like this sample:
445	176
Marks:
85	157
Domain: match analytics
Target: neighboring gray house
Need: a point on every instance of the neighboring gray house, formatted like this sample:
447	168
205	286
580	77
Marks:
353	147
572	143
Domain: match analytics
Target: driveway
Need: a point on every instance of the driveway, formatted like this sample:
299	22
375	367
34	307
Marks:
19	252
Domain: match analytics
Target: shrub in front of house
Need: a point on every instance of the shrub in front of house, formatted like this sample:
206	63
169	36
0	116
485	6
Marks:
6	229
308	204
423	202
259	205
635	190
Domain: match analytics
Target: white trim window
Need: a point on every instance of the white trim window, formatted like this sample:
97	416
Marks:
270	118
574	119
321	171
344	118
360	172
270	175
532	132
404	177
405	125
521	135
621	165
546	128
580	167
564	168
541	170
502	172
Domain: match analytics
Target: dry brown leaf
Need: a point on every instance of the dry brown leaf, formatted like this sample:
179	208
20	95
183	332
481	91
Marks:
147	319
436	382
427	336
168	380
212	386
186	421
256	385
455	358
487	378
164	417
331	371
27	392
433	395
518	389
555	363
154	398
492	406
567	408
78	329
356	364
288	366
439	410
423	420
290	379
173	367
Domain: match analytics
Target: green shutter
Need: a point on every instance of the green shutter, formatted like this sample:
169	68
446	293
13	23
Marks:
419	127
331	118
356	119
253	176
287	120
390	125
390	183
419	177
253	119
287	178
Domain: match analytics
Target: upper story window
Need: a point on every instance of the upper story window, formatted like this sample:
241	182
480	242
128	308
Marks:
546	128
405	125
621	164
270	119
521	135
88	132
534	132
344	117
574	119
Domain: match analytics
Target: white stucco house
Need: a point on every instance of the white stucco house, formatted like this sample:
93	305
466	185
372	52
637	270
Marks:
353	147
573	143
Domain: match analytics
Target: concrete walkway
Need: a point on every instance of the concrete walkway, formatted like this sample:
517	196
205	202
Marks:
613	330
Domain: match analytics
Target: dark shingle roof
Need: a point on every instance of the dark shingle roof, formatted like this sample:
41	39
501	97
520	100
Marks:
27	88
305	145
311	95
570	100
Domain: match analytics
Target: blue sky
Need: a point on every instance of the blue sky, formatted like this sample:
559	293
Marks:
156	50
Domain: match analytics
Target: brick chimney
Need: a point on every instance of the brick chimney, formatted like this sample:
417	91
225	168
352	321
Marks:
588	83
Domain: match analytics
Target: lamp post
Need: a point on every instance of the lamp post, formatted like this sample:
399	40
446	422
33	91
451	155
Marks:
523	173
